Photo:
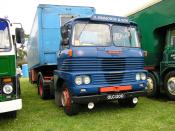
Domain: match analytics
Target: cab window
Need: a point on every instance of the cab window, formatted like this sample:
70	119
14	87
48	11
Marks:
173	37
4	36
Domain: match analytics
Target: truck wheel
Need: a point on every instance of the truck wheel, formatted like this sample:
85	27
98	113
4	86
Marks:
44	94
169	84
12	114
58	97
70	108
127	102
152	85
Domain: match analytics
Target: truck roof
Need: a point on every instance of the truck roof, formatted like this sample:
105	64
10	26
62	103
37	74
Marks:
50	5
157	15
105	19
4	19
148	5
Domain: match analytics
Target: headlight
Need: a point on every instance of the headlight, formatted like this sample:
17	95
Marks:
138	76
86	80
7	89
143	76
78	80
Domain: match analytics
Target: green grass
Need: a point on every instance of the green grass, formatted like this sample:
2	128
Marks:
37	114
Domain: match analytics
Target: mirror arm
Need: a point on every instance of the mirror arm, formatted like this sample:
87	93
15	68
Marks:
18	24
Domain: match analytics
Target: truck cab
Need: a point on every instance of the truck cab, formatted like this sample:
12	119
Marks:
10	100
99	59
157	26
167	64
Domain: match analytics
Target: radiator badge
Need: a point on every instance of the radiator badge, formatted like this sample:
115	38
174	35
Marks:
114	52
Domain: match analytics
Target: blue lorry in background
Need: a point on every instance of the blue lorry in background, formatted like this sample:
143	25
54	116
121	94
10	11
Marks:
80	57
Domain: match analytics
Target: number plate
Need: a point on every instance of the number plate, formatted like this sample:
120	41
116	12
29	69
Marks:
115	96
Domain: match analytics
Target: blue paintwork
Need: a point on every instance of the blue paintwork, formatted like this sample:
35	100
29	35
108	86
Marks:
103	68
93	87
94	53
45	36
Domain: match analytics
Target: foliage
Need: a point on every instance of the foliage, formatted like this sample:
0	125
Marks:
21	56
21	53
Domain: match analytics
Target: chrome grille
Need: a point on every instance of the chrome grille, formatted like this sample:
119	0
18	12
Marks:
102	64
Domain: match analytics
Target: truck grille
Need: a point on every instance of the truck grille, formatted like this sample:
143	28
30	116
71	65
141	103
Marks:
113	78
102	64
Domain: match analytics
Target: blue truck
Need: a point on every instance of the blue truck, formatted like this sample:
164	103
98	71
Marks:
80	57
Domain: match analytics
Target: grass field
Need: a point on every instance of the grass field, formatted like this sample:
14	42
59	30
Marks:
37	114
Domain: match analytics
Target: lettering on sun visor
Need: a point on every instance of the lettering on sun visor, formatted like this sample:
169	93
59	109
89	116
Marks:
116	19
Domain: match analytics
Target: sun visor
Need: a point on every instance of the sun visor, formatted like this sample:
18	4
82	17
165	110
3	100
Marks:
109	18
3	25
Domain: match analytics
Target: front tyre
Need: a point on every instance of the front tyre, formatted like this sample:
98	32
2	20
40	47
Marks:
58	97
70	108
12	114
169	85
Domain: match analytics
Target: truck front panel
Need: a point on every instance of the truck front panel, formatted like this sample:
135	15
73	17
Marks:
7	67
9	82
103	71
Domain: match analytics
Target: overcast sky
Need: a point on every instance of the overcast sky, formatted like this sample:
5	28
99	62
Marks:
24	10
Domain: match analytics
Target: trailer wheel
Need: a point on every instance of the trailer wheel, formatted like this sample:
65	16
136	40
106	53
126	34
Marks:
44	94
152	85
70	108
169	85
127	102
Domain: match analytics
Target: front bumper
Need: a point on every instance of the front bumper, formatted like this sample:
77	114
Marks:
12	105
107	96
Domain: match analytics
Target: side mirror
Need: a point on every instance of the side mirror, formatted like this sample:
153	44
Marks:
65	42
64	32
19	32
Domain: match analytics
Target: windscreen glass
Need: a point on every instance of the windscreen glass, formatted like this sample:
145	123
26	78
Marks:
173	37
125	36
91	35
4	36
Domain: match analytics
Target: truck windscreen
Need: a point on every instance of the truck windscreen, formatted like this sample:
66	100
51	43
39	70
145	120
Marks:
125	36
91	35
4	36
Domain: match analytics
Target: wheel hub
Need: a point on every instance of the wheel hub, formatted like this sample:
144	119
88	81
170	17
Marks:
150	84
171	85
65	99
